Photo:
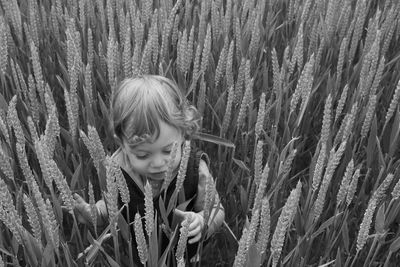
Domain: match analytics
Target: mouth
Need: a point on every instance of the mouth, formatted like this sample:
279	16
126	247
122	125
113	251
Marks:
157	175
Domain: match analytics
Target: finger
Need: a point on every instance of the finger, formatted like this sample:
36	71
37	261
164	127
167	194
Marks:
194	239
195	231
78	199
180	213
194	225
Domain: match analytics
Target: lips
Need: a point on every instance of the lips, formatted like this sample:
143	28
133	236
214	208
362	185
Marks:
157	175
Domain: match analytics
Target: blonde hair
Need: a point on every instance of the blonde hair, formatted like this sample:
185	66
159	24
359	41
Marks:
139	104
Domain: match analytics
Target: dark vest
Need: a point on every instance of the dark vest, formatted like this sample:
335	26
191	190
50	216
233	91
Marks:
136	203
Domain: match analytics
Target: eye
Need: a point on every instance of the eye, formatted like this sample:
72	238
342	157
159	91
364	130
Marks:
144	156
167	151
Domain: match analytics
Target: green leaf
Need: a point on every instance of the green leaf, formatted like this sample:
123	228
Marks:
163	212
371	144
241	165
172	241
338	262
76	176
394	134
32	249
380	220
3	103
395	245
345	236
152	260
214	139
48	255
124	228
243	198
325	225
67	255
110	260
253	256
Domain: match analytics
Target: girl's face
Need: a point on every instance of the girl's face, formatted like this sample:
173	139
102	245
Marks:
151	159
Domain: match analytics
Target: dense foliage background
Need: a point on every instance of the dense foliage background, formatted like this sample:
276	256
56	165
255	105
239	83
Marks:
299	100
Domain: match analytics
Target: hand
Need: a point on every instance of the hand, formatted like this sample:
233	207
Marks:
82	210
196	224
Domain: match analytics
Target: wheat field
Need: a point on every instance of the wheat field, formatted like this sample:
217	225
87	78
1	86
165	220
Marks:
301	118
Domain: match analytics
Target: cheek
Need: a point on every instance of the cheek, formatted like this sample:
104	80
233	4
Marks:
178	157
137	165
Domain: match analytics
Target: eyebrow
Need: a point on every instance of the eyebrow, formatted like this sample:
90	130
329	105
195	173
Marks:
146	151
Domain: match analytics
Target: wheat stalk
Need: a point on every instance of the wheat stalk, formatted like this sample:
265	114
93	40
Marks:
264	230
206	51
154	37
149	208
94	145
8	213
284	221
13	120
34	103
215	21
52	227
380	191
229	66
393	103
366	224
241	253
127	53
168	174
120	181
182	166
333	162
368	116
344	185
111	195
262	185
4	130
319	167
349	123
3	47
237	35
201	99
275	72
140	239
339	67
352	187
5	165
182	43
260	117
221	66
93	208
209	198
255	37
388	29
341	102
240	81
228	111
184	231
359	18
189	50
33	218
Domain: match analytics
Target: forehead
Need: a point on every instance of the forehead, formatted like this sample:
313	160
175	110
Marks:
168	135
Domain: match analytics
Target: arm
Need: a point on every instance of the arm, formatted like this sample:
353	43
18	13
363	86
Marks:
217	213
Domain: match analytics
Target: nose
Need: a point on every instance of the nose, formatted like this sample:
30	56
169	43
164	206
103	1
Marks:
159	161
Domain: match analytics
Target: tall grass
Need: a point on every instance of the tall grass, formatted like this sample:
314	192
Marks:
300	118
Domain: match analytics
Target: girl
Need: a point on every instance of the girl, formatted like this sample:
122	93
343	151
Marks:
149	116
